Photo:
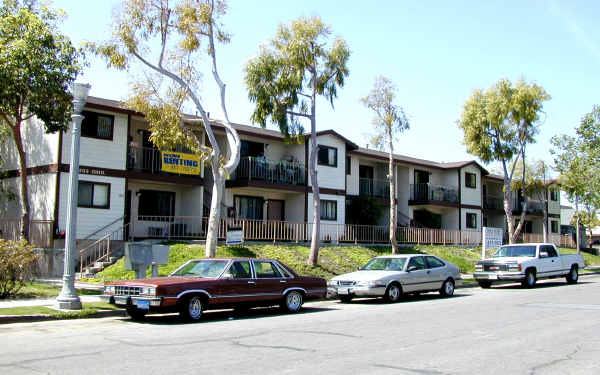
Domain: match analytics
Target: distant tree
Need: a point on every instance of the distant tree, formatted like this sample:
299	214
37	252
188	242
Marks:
498	125
284	81
577	159
389	122
37	67
178	28
588	218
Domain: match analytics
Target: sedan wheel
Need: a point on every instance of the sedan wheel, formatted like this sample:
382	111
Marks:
293	301
393	293
192	309
447	289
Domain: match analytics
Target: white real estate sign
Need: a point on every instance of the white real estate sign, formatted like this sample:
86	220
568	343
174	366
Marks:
234	237
492	238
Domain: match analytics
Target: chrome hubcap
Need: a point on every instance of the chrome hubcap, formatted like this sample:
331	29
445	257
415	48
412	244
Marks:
394	292
294	300
574	274
195	308
449	288
530	279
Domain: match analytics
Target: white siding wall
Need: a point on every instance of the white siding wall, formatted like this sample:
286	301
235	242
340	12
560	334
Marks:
352	187
553	206
42	195
191	201
294	209
332	177
403	190
450	219
470	195
100	152
40	148
91	219
341	205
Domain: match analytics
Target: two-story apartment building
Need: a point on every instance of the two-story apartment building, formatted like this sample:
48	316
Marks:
122	181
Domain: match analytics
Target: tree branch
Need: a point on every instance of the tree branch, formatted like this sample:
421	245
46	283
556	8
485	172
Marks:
298	114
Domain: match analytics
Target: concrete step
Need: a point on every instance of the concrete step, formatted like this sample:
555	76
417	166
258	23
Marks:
93	270
102	264
114	259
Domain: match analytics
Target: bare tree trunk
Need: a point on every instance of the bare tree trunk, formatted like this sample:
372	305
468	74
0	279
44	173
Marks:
519	227
392	182
313	258
577	224
214	220
508	210
23	187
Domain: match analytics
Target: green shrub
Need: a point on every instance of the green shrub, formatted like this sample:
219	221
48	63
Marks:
17	261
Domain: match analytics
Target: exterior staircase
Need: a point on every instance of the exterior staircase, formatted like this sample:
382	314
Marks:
103	252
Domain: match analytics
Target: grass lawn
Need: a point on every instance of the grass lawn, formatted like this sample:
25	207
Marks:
42	290
88	310
333	260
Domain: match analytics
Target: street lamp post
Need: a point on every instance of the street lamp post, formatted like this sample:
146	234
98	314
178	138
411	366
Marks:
68	298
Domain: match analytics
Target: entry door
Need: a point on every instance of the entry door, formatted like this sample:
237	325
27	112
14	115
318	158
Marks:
365	174
421	187
275	210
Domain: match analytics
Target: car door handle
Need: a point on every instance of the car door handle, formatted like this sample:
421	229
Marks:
283	281
251	282
428	272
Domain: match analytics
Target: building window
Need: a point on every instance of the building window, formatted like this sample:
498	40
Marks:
249	208
554	226
97	125
93	195
327	156
348	165
328	210
471	221
157	205
471	180
554	195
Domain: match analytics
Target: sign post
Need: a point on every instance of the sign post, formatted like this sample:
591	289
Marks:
492	238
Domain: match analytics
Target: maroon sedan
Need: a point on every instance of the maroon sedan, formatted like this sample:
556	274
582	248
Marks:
205	284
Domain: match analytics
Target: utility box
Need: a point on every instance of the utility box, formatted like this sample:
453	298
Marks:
160	254
137	253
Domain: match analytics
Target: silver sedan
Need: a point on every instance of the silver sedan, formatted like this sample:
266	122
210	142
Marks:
391	276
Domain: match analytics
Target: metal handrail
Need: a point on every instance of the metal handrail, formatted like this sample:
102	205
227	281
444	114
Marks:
99	252
270	171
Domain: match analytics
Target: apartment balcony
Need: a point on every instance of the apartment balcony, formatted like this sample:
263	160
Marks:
429	193
533	206
493	203
148	160
374	188
259	171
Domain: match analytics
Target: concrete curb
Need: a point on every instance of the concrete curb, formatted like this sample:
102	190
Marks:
7	319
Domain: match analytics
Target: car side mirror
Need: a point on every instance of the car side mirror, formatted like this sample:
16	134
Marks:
411	268
543	254
227	276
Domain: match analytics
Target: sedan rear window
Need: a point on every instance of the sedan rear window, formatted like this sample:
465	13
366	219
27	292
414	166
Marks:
385	264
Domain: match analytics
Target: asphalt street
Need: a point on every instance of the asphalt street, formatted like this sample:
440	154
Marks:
552	329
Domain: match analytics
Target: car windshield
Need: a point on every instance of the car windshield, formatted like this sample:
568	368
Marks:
385	264
202	268
515	251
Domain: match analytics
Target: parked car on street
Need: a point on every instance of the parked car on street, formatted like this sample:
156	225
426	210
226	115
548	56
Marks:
205	284
392	276
527	263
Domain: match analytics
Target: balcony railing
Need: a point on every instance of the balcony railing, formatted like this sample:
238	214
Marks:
423	193
374	188
493	203
270	171
533	206
147	160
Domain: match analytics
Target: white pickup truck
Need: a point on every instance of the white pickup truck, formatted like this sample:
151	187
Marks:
527	263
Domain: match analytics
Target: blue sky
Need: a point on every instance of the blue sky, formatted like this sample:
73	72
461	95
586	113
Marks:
436	52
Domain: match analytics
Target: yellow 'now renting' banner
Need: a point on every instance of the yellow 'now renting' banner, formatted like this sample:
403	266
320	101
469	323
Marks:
178	162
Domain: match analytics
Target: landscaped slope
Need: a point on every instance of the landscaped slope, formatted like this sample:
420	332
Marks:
333	260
